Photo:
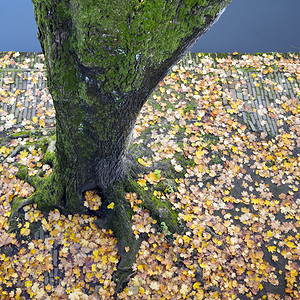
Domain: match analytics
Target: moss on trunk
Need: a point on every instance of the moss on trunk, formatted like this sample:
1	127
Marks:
104	58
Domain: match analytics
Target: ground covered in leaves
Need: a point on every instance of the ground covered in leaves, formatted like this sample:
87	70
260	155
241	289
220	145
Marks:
238	192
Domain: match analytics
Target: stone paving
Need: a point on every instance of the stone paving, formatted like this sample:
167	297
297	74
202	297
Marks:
24	96
253	88
23	92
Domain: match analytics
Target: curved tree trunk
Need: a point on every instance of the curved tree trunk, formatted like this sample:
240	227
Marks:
104	58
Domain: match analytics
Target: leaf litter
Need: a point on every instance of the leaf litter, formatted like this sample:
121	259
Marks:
237	190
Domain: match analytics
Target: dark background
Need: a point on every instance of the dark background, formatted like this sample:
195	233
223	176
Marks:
246	26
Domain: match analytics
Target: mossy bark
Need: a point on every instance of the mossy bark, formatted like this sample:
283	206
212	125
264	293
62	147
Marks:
104	59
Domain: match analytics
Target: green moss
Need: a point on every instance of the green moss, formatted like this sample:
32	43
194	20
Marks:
23	133
49	158
16	203
49	193
23	175
43	144
119	40
160	209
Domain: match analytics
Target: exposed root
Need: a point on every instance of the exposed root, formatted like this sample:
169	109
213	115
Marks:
115	213
119	219
121	277
17	207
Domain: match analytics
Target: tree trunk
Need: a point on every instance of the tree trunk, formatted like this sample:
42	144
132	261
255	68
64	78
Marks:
104	59
93	134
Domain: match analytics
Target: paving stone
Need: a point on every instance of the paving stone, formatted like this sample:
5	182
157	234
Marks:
253	119
244	117
263	98
233	94
36	235
239	95
46	278
55	257
273	129
252	126
267	128
42	234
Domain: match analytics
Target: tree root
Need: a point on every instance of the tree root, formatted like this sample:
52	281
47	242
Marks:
115	213
119	218
16	208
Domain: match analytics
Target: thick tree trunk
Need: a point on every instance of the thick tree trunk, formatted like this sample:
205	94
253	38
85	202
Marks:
93	134
104	58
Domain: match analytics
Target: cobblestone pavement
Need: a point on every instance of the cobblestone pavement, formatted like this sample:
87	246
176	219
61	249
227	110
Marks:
24	98
252	87
25	101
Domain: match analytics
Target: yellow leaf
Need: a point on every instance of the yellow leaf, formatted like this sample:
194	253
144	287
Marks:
142	182
25	231
196	285
112	258
199	154
40	257
111	205
140	267
23	154
152	176
290	244
234	149
142	162
217	242
256	201
187	218
271	249
42	123
95	255
186	239
28	283
104	259
34	119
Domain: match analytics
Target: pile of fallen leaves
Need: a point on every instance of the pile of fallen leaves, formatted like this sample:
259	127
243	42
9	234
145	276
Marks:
238	192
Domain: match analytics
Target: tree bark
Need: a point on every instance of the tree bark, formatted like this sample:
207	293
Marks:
104	59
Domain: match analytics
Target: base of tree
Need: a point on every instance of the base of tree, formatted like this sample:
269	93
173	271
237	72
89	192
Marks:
115	212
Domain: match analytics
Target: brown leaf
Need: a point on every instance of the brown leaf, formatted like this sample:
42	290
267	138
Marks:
6	239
